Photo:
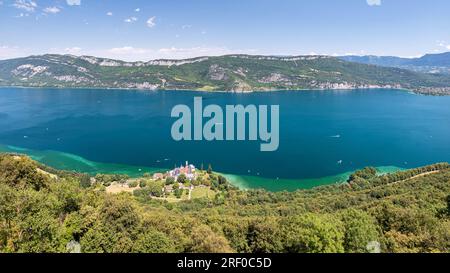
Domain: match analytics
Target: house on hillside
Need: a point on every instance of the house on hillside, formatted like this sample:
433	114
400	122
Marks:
188	170
158	176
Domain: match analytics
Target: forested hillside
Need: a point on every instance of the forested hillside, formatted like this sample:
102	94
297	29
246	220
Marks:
225	73
45	210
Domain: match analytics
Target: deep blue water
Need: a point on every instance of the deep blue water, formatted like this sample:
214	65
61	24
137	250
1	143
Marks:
376	128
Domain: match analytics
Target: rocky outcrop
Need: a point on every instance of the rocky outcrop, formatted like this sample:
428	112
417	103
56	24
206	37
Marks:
217	73
28	70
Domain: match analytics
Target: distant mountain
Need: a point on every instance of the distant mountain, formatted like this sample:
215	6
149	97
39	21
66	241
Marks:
438	60
225	73
430	63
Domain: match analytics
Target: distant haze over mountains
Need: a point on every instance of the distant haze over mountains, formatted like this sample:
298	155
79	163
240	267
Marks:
430	63
237	73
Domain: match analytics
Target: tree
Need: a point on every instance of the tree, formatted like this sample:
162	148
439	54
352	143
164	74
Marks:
448	204
21	172
222	180
153	241
28	221
182	178
97	239
118	213
204	240
132	184
197	181
67	194
360	230
312	233
170	180
85	181
122	181
364	174
142	183
210	170
264	236
155	188
178	193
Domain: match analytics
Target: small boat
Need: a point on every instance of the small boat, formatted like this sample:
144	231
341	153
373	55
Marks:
336	136
339	162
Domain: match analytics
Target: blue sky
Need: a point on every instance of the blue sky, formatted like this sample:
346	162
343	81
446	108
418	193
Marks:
143	30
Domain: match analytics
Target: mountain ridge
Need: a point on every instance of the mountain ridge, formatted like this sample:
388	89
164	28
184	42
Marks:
428	63
234	73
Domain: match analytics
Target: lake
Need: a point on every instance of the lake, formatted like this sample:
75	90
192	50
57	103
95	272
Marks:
324	135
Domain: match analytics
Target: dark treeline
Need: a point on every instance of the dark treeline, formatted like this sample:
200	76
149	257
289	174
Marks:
46	210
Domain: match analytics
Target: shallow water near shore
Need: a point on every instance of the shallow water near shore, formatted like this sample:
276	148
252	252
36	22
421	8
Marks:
70	162
324	135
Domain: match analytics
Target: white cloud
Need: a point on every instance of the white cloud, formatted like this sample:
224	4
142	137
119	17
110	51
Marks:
9	52
73	2
186	26
130	53
151	22
181	53
22	15
109	13
130	20
128	50
374	2
52	10
27	5
73	50
444	44
137	10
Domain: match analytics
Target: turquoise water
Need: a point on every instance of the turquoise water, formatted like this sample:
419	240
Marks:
76	163
324	135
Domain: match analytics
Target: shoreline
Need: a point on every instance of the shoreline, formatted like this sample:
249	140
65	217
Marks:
212	91
71	162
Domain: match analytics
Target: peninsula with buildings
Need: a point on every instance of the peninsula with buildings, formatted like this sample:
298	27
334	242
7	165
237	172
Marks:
181	183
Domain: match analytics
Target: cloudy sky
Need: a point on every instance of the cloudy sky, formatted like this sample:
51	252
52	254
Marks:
143	30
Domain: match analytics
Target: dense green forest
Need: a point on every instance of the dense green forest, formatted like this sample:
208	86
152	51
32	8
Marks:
46	210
